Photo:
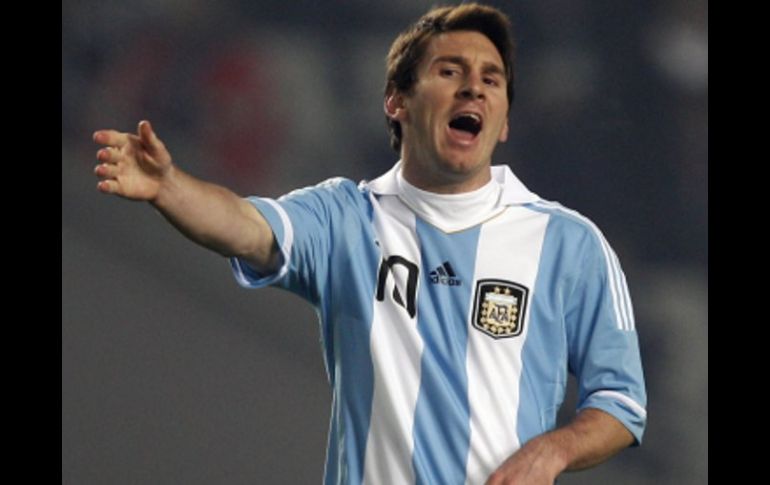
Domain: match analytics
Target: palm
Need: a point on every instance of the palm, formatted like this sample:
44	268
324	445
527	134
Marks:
134	165
139	173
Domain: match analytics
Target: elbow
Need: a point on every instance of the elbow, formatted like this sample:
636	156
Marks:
264	258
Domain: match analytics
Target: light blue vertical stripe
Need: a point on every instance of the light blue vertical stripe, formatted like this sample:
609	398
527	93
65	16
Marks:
347	334
544	355
442	417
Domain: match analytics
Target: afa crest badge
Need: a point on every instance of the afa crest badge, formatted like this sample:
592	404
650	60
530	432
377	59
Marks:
499	308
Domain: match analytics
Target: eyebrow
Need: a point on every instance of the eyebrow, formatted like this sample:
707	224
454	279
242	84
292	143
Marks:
487	67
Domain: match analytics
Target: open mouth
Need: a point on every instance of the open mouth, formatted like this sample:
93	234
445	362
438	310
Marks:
467	122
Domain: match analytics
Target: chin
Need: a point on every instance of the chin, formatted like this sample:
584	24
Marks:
461	164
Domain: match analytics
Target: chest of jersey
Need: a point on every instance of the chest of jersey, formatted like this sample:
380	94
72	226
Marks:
450	316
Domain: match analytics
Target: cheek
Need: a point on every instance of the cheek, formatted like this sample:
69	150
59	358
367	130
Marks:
503	133
499	129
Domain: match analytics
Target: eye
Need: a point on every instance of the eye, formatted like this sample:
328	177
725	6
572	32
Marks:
448	72
490	81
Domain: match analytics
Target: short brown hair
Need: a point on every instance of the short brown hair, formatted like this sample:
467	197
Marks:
409	47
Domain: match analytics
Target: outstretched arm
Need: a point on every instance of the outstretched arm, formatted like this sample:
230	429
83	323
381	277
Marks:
592	437
138	167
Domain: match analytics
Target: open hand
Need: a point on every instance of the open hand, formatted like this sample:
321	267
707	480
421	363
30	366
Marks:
133	166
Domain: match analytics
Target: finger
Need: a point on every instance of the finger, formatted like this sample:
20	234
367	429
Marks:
109	186
108	155
106	170
111	138
149	139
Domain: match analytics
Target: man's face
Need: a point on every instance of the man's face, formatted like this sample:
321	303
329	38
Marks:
455	115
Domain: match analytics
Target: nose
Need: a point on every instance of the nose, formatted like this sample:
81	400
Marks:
472	88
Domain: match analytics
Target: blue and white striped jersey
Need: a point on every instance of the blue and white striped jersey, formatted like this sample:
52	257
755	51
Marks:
447	351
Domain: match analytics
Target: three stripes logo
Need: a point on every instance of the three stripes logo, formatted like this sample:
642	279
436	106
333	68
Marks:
444	275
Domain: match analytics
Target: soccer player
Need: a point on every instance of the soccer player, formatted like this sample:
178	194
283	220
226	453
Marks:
453	300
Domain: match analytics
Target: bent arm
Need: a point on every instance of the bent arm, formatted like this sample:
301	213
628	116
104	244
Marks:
138	167
591	438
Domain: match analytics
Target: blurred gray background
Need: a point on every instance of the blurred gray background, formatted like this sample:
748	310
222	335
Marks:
173	374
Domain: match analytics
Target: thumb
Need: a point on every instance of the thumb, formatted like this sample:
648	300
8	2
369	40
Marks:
150	141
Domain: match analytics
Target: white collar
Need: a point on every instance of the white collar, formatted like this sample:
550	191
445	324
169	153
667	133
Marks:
452	212
514	191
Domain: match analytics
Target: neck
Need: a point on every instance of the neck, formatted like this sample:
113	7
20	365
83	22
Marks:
446	181
451	212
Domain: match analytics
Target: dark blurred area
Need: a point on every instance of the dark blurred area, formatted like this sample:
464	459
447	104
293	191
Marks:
173	374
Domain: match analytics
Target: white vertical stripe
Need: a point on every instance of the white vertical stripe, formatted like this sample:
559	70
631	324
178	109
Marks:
617	285
632	322
618	278
625	297
396	349
610	275
494	366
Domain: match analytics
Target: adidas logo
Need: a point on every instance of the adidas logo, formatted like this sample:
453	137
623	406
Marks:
444	275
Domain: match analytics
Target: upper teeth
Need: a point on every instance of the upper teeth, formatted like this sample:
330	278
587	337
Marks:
475	117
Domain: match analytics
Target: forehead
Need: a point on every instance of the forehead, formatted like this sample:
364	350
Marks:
472	45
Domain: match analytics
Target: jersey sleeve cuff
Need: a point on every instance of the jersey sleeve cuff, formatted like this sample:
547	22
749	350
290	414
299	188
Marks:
280	224
626	410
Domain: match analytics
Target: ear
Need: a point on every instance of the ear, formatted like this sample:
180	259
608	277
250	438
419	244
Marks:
394	105
503	133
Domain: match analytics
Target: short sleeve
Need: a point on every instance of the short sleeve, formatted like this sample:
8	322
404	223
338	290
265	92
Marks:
303	223
283	230
602	339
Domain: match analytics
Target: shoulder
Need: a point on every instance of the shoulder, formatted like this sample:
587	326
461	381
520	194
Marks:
329	202
332	187
335	190
566	221
573	231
